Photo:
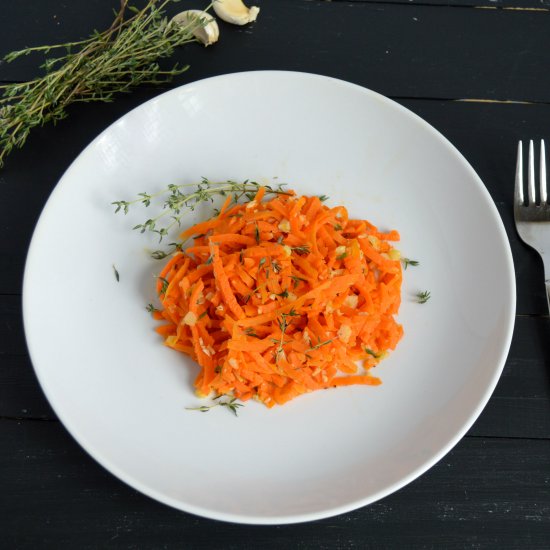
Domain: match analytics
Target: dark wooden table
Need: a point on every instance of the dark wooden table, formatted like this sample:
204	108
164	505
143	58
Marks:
477	70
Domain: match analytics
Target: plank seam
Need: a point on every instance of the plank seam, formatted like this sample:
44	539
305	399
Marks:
468	436
28	419
431	5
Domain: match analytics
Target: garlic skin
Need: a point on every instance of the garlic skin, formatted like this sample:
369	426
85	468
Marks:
206	34
235	12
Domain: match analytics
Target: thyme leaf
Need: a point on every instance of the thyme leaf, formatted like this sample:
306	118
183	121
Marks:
374	354
297	280
164	286
423	297
406	263
302	249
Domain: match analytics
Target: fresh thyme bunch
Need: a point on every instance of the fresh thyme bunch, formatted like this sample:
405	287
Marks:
109	62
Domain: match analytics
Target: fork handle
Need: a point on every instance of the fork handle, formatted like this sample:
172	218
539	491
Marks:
546	261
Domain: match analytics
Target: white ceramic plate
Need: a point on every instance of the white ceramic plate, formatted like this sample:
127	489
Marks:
122	394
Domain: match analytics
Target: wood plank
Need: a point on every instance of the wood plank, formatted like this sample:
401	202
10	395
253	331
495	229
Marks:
484	493
458	53
12	338
520	405
541	5
21	396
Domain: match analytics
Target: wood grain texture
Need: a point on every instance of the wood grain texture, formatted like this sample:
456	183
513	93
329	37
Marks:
405	50
493	489
484	493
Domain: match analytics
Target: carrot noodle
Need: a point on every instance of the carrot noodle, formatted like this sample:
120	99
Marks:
278	298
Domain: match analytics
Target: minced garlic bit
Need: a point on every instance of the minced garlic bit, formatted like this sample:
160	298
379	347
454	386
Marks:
190	318
344	333
284	226
351	301
340	250
207	350
374	241
171	340
394	254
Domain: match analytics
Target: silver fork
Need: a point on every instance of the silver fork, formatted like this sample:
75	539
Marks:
533	216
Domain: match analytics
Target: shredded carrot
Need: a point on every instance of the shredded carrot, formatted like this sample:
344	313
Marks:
282	297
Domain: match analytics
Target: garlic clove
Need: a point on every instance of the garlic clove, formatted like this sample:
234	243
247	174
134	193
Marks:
235	12
208	33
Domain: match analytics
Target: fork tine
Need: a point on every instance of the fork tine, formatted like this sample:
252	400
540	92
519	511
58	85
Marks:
518	193
543	193
531	174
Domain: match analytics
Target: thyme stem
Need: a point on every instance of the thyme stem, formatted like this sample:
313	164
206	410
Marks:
176	203
107	63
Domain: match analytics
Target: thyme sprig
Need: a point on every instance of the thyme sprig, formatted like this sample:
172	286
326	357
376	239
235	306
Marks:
231	405
95	69
180	199
283	323
320	344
